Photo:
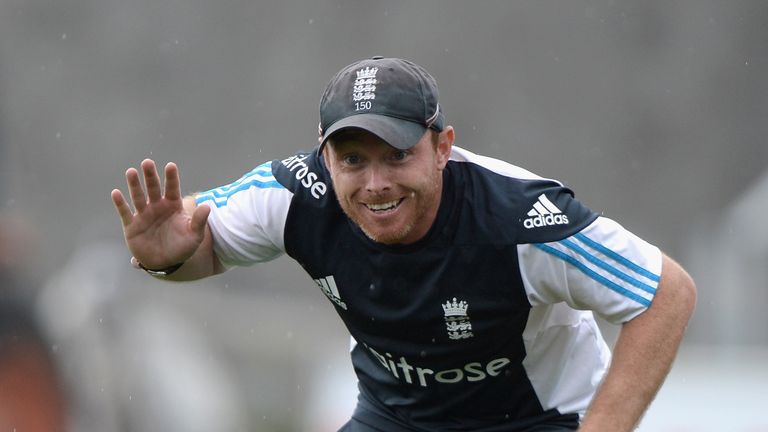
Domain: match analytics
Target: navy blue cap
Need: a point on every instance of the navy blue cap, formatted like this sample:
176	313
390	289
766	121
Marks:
392	98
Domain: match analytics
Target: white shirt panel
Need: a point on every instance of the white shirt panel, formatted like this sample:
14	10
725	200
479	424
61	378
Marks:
248	227
498	166
603	268
566	356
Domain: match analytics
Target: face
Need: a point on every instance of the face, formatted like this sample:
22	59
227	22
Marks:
392	195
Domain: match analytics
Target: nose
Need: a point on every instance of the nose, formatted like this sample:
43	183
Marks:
377	179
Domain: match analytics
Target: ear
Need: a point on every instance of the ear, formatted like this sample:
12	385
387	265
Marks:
327	155
444	145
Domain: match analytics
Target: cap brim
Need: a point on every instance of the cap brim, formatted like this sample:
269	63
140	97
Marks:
401	134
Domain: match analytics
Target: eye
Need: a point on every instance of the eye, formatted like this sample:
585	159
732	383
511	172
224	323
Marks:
399	155
351	159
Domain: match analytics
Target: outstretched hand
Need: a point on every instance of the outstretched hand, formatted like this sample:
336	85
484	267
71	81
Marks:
158	231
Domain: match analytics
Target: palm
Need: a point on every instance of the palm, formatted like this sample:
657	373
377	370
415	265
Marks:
159	233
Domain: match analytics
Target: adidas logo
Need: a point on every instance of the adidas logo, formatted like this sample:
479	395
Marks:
544	213
328	285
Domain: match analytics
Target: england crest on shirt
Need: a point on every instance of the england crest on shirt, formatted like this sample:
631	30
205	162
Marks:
457	322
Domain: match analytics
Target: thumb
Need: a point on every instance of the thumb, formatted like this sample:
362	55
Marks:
200	219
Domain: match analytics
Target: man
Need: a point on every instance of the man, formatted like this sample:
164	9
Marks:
467	283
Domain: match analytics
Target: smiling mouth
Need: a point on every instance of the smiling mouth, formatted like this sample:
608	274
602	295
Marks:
384	207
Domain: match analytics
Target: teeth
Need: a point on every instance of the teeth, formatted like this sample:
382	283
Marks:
383	206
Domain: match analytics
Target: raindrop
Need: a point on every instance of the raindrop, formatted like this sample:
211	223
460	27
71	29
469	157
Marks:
311	21
64	36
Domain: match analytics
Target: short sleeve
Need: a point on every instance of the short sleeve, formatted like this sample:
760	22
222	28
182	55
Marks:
248	217
604	268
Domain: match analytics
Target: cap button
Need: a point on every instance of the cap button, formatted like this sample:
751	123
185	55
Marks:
377	57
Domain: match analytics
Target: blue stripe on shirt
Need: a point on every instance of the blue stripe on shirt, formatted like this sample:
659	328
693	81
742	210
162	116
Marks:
220	196
263	170
607	267
594	275
625	262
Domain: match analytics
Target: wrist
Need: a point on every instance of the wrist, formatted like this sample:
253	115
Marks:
159	272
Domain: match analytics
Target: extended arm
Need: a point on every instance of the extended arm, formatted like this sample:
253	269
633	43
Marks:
165	229
643	354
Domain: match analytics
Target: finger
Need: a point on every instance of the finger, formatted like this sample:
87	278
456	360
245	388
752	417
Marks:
135	190
123	210
151	180
172	182
199	219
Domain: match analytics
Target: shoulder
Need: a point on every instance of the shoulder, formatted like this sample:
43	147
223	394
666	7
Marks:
497	166
535	208
304	174
260	180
